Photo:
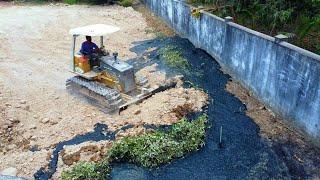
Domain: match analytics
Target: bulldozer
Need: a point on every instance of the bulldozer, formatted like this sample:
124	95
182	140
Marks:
109	83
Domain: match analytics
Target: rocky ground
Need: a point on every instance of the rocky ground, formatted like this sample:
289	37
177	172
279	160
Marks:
36	110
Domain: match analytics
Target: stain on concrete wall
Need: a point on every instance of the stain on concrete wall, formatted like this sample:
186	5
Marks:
283	76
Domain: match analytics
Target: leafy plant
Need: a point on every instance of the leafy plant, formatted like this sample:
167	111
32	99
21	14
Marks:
157	148
196	12
126	3
86	170
148	150
70	1
173	57
295	17
307	25
160	35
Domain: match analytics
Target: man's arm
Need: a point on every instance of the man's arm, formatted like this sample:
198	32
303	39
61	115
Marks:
96	48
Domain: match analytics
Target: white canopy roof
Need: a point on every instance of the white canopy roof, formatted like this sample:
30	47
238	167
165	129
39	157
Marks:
94	30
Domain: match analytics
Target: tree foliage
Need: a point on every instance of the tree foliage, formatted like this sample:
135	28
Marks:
299	17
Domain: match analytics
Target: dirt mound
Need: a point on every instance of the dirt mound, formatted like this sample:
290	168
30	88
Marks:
164	108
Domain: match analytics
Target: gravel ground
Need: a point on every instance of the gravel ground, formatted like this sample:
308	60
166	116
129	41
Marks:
36	110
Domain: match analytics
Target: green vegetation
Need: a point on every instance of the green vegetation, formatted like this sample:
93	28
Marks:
151	150
126	3
70	1
300	18
173	57
196	13
86	170
160	35
148	150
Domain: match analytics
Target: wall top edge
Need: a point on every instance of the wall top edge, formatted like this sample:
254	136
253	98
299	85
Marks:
212	15
255	33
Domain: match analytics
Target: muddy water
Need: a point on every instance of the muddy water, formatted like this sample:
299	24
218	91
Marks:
244	153
100	132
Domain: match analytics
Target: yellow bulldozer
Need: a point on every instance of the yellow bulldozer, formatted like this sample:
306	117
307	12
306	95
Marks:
110	83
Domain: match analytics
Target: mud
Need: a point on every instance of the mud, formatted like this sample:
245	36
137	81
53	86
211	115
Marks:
100	132
298	152
36	112
245	153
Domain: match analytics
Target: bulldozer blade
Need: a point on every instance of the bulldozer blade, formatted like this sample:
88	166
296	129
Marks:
147	95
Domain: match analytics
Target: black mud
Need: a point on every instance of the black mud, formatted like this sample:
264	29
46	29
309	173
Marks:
244	155
100	132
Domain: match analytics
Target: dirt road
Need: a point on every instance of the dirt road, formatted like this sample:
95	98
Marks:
36	110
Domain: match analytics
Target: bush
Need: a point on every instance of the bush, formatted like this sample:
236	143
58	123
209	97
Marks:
173	57
126	3
85	170
299	17
151	150
148	150
70	1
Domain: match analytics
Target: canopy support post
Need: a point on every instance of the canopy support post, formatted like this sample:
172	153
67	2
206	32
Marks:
101	41
73	46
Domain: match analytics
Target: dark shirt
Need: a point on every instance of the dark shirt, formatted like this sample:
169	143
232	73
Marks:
88	48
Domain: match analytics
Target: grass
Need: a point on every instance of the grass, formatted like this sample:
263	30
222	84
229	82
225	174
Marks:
173	57
148	150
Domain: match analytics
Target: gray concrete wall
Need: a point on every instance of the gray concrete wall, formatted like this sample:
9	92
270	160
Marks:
285	77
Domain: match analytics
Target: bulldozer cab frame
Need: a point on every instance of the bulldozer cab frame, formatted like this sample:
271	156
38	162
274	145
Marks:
91	30
113	88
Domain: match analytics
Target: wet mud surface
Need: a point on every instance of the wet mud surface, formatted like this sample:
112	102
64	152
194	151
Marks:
100	133
244	154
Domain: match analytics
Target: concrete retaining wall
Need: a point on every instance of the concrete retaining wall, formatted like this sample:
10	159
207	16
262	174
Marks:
283	76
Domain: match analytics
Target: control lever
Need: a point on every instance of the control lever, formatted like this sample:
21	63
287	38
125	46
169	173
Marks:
115	55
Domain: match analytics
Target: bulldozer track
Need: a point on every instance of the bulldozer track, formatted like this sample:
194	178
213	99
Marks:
106	98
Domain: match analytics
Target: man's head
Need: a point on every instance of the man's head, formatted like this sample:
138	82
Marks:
88	38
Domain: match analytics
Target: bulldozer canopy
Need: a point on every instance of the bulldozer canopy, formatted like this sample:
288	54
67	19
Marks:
94	30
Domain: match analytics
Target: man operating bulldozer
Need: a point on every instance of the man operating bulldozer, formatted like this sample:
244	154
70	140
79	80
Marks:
91	50
88	47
